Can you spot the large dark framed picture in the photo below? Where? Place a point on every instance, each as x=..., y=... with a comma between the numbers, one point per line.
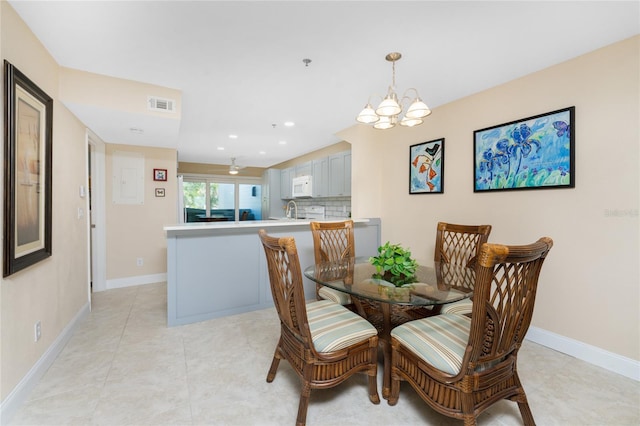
x=532, y=153
x=27, y=172
x=426, y=168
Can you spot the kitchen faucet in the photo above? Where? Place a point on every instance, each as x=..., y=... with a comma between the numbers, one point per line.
x=288, y=211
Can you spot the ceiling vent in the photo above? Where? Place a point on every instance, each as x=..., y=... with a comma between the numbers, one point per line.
x=161, y=104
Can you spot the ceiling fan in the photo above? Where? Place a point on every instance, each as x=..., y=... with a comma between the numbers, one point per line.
x=234, y=168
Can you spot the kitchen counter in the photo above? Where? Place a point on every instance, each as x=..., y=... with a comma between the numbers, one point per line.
x=217, y=269
x=250, y=224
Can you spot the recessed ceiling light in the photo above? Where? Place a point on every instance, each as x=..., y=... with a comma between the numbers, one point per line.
x=233, y=136
x=289, y=123
x=221, y=148
x=262, y=152
x=282, y=142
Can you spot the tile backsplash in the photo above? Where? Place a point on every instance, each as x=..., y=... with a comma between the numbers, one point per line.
x=335, y=208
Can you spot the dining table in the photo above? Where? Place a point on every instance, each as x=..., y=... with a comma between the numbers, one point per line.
x=382, y=303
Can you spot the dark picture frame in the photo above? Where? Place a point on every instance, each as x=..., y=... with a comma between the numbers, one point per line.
x=159, y=192
x=28, y=133
x=426, y=167
x=536, y=152
x=160, y=175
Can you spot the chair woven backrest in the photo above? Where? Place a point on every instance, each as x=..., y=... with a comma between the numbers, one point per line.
x=457, y=248
x=333, y=240
x=504, y=296
x=287, y=289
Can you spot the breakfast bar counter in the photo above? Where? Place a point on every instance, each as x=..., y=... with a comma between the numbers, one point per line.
x=216, y=269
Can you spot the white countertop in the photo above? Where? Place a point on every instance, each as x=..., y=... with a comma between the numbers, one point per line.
x=250, y=224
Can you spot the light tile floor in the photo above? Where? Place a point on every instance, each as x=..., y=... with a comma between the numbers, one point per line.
x=123, y=366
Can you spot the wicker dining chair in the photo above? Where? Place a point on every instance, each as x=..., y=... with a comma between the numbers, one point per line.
x=461, y=365
x=324, y=343
x=457, y=247
x=333, y=241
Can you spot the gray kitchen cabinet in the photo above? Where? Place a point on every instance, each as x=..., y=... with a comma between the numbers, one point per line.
x=347, y=173
x=321, y=177
x=340, y=174
x=304, y=169
x=286, y=175
x=331, y=176
x=271, y=199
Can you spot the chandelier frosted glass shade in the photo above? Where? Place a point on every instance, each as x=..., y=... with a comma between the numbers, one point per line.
x=385, y=123
x=388, y=112
x=367, y=115
x=410, y=122
x=418, y=109
x=389, y=105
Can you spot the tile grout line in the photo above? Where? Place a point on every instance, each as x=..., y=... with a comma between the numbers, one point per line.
x=115, y=352
x=186, y=372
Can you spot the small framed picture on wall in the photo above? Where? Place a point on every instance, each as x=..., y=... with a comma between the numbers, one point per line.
x=159, y=192
x=160, y=174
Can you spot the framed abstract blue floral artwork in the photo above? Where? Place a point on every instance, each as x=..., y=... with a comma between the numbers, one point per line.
x=533, y=153
x=426, y=171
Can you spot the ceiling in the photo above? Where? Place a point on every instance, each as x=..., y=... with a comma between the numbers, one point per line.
x=239, y=64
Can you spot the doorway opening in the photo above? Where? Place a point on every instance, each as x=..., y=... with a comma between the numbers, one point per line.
x=96, y=208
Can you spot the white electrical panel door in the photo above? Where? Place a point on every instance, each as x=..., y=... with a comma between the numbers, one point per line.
x=128, y=177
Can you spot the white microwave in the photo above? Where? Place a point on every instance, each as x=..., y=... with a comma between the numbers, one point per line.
x=301, y=187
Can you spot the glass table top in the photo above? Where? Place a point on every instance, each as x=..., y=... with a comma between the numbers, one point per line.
x=355, y=276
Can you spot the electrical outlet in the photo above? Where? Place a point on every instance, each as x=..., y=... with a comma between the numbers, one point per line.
x=37, y=328
x=139, y=261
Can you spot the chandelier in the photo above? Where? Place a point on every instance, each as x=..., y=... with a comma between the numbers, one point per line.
x=387, y=115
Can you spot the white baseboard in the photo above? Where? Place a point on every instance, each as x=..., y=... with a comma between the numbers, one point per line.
x=593, y=355
x=137, y=280
x=21, y=392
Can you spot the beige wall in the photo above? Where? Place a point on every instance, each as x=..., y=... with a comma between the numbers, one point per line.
x=589, y=286
x=54, y=290
x=136, y=231
x=332, y=149
x=86, y=88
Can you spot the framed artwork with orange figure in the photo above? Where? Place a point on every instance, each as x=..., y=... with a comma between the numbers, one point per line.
x=426, y=168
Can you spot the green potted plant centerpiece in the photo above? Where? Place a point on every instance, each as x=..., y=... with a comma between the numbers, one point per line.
x=394, y=264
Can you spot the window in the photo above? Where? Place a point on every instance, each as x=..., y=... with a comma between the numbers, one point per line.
x=212, y=199
x=249, y=197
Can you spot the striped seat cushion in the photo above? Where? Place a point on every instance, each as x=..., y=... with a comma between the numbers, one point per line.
x=340, y=297
x=461, y=307
x=440, y=340
x=334, y=327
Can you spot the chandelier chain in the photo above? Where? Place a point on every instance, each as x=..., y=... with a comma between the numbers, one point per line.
x=393, y=74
